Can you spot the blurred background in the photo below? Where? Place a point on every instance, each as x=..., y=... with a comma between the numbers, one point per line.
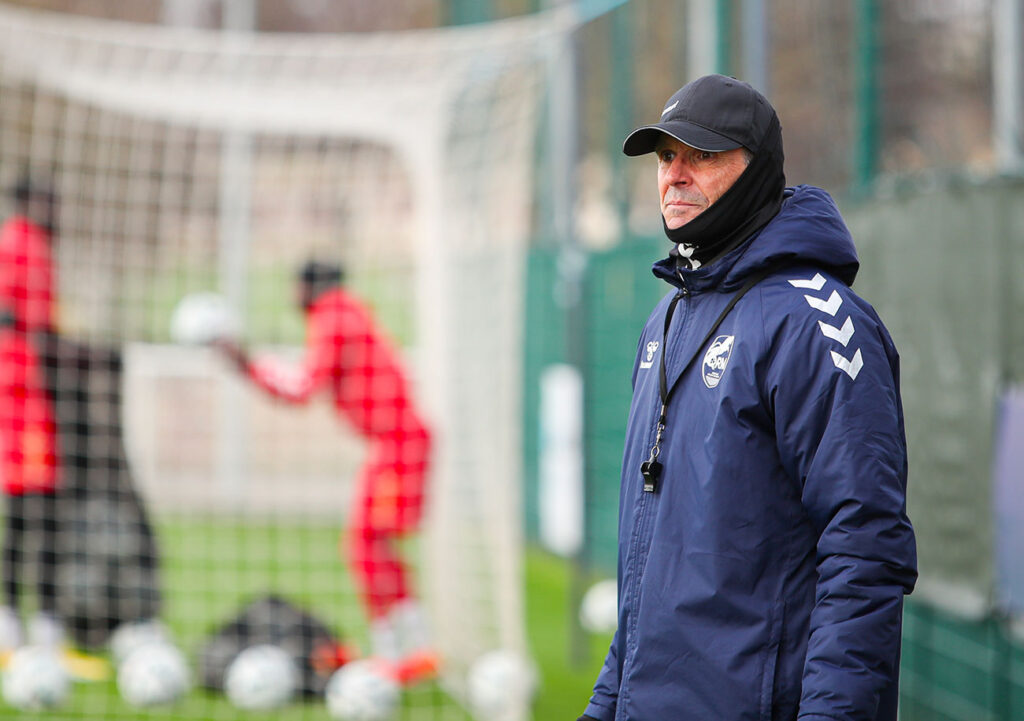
x=461, y=159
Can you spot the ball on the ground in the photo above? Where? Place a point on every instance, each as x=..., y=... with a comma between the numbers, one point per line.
x=133, y=634
x=153, y=674
x=261, y=678
x=501, y=683
x=362, y=691
x=201, y=318
x=599, y=610
x=35, y=679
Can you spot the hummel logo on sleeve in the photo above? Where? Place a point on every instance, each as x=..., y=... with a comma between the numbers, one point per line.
x=815, y=283
x=850, y=367
x=843, y=334
x=829, y=306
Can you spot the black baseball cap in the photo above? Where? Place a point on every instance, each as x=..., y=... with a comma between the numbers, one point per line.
x=713, y=113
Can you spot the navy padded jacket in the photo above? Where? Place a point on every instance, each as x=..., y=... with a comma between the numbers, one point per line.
x=764, y=580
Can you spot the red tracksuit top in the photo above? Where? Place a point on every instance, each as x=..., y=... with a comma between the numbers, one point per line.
x=26, y=274
x=346, y=351
x=28, y=457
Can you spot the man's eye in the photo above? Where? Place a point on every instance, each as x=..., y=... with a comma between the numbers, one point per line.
x=666, y=156
x=706, y=155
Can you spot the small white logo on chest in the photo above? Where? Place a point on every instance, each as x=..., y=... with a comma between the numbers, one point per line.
x=716, y=359
x=652, y=348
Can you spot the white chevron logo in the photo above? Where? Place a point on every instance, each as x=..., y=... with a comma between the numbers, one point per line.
x=850, y=367
x=829, y=306
x=842, y=335
x=815, y=283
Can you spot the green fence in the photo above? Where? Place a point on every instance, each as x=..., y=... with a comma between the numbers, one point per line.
x=619, y=292
x=956, y=670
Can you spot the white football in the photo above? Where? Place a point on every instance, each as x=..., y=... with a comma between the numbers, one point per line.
x=362, y=691
x=201, y=318
x=261, y=678
x=501, y=684
x=599, y=610
x=153, y=674
x=131, y=635
x=35, y=679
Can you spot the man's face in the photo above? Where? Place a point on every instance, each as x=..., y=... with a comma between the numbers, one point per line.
x=690, y=180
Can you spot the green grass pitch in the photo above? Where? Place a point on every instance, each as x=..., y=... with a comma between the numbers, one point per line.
x=211, y=567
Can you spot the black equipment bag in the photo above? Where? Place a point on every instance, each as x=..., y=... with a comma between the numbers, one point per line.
x=273, y=620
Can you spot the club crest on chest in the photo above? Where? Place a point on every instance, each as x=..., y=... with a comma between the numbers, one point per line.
x=716, y=359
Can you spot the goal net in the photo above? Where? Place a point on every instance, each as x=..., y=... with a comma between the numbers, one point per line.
x=183, y=161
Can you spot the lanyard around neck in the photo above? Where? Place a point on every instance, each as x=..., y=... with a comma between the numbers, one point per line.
x=651, y=468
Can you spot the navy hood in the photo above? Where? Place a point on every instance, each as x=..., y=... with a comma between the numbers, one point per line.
x=808, y=230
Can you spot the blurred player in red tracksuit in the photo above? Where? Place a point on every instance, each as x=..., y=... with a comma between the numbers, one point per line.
x=28, y=453
x=349, y=356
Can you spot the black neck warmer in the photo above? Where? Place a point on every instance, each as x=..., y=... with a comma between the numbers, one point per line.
x=744, y=208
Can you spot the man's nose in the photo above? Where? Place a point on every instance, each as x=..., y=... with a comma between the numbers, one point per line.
x=679, y=172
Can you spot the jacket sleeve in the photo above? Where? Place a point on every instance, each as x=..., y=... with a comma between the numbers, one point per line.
x=606, y=689
x=295, y=384
x=839, y=423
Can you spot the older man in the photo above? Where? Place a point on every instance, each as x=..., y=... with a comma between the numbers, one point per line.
x=764, y=546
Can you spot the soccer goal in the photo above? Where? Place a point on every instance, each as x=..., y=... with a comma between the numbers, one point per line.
x=179, y=162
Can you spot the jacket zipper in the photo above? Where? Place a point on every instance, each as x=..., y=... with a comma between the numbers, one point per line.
x=641, y=549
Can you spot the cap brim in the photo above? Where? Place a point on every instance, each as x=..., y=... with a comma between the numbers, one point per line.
x=645, y=139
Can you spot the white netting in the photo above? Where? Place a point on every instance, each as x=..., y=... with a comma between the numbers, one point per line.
x=187, y=161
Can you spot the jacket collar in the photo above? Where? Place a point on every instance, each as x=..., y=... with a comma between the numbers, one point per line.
x=808, y=230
